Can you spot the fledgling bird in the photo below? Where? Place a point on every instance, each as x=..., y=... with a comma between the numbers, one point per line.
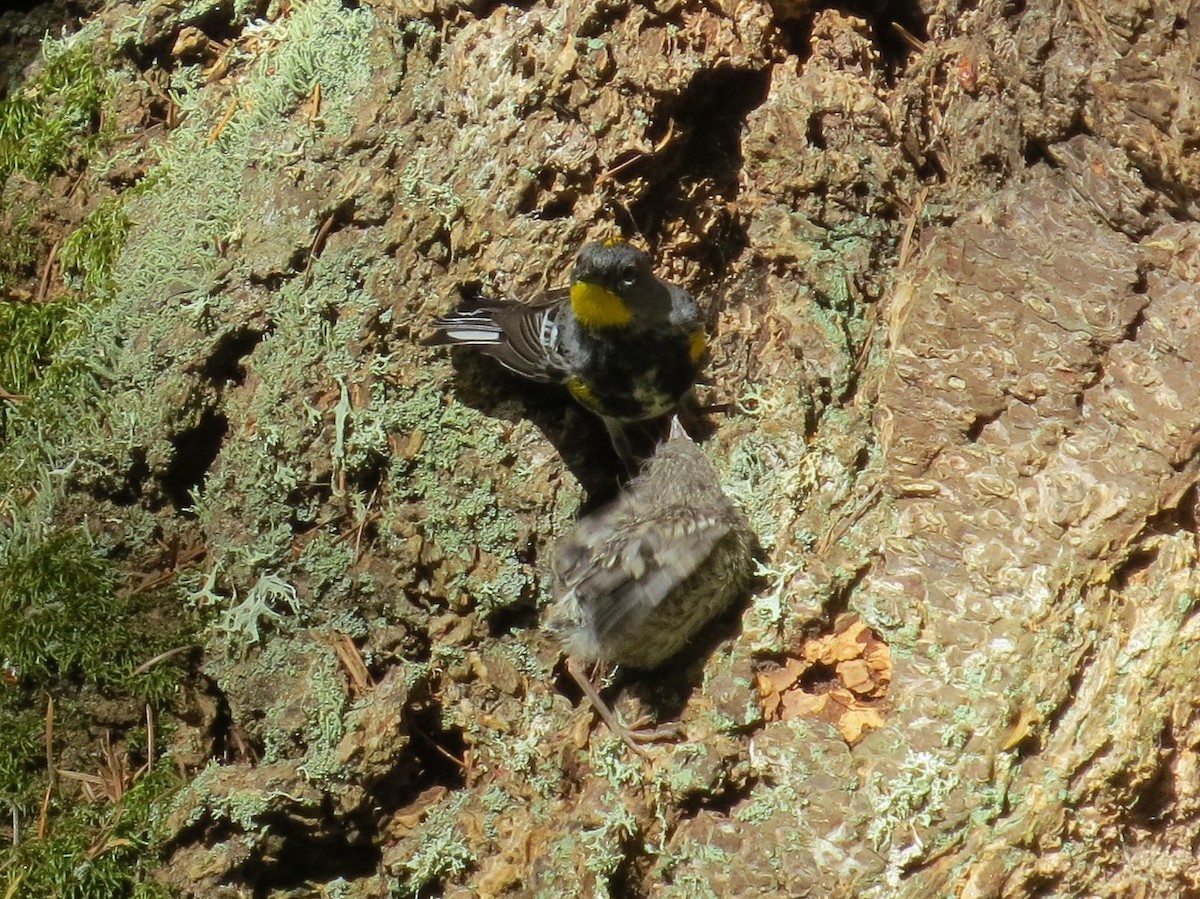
x=626, y=344
x=636, y=581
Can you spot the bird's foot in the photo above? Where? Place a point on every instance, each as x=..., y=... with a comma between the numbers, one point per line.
x=644, y=731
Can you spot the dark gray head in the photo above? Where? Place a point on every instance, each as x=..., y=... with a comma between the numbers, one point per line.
x=626, y=271
x=613, y=265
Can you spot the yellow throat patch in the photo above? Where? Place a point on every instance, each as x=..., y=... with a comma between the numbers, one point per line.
x=597, y=307
x=697, y=347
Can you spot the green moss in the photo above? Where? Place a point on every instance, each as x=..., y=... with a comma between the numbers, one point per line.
x=63, y=623
x=50, y=125
x=22, y=242
x=46, y=433
x=30, y=333
x=55, y=116
x=89, y=252
x=92, y=851
x=22, y=751
x=63, y=618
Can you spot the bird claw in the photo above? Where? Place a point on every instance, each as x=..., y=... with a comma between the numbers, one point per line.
x=636, y=737
x=633, y=737
x=645, y=731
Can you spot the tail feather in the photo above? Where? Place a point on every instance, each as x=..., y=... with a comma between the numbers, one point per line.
x=472, y=336
x=470, y=327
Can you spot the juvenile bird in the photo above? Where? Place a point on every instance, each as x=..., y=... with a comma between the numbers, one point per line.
x=626, y=344
x=635, y=582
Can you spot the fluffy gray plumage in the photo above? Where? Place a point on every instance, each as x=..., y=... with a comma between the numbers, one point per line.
x=636, y=581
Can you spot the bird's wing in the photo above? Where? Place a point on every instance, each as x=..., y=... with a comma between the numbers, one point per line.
x=622, y=570
x=532, y=337
x=523, y=337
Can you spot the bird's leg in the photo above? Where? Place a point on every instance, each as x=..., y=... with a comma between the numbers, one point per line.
x=632, y=737
x=636, y=441
x=622, y=446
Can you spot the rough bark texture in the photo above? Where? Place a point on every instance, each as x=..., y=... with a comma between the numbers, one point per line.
x=952, y=286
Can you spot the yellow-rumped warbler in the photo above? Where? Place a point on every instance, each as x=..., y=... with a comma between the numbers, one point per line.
x=634, y=582
x=627, y=345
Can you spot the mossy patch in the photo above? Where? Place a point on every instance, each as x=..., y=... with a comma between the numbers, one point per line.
x=30, y=334
x=63, y=618
x=442, y=851
x=49, y=126
x=22, y=242
x=88, y=252
x=93, y=851
x=70, y=635
x=54, y=118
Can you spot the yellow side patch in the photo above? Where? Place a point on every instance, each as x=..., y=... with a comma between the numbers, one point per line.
x=697, y=347
x=582, y=393
x=596, y=307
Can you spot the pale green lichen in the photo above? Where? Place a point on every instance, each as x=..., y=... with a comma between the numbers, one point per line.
x=463, y=516
x=910, y=798
x=264, y=602
x=208, y=798
x=419, y=189
x=199, y=200
x=524, y=752
x=328, y=560
x=612, y=760
x=99, y=407
x=682, y=867
x=769, y=605
x=607, y=846
x=325, y=708
x=767, y=801
x=114, y=390
x=771, y=475
x=441, y=851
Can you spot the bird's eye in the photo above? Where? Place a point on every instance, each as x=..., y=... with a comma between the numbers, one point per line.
x=628, y=276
